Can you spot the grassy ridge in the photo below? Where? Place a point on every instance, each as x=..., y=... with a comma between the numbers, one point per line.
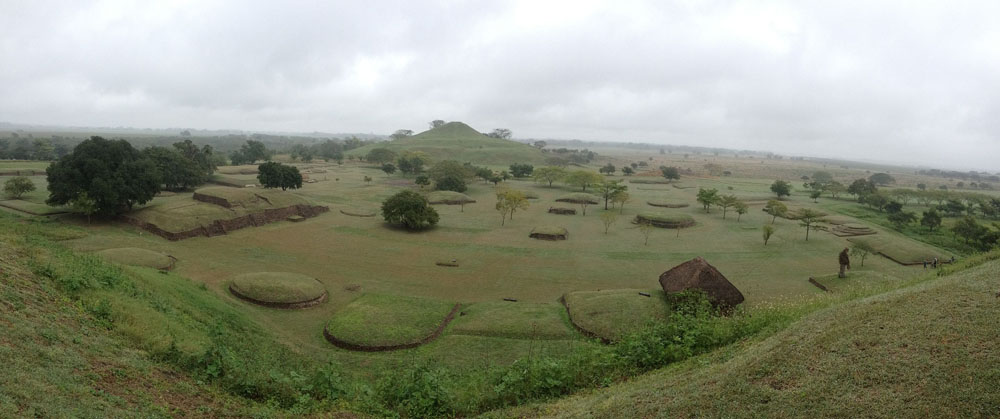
x=457, y=141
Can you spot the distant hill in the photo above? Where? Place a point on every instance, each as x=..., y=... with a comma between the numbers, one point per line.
x=458, y=141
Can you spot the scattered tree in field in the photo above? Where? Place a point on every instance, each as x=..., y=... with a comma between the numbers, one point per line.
x=727, y=201
x=807, y=217
x=549, y=174
x=176, y=172
x=931, y=219
x=645, y=228
x=776, y=209
x=628, y=171
x=893, y=207
x=741, y=208
x=968, y=229
x=111, y=172
x=250, y=153
x=822, y=178
x=450, y=175
x=539, y=144
x=17, y=186
x=508, y=202
x=902, y=218
x=670, y=173
x=521, y=169
x=608, y=189
x=922, y=186
x=620, y=198
x=422, y=180
x=582, y=178
x=862, y=250
x=277, y=175
x=781, y=188
x=436, y=123
x=450, y=183
x=501, y=133
x=861, y=188
x=401, y=133
x=608, y=169
x=881, y=179
x=708, y=197
x=368, y=179
x=83, y=204
x=835, y=189
x=608, y=218
x=412, y=162
x=389, y=168
x=410, y=210
x=380, y=156
x=814, y=194
x=713, y=169
x=768, y=231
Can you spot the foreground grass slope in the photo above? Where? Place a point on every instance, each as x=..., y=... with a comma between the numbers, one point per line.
x=925, y=351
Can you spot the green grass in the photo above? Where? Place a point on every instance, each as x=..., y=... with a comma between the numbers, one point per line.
x=32, y=208
x=457, y=141
x=134, y=256
x=382, y=320
x=612, y=314
x=448, y=197
x=905, y=251
x=924, y=351
x=278, y=287
x=515, y=320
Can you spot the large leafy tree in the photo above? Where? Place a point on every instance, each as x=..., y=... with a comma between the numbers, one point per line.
x=670, y=173
x=277, y=175
x=410, y=210
x=582, y=178
x=381, y=155
x=202, y=156
x=111, y=172
x=521, y=169
x=250, y=153
x=708, y=197
x=177, y=172
x=781, y=188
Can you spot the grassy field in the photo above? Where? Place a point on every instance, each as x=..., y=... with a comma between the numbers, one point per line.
x=924, y=351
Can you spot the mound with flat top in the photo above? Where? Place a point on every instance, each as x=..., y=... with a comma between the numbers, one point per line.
x=278, y=289
x=512, y=320
x=667, y=204
x=611, y=314
x=578, y=198
x=387, y=322
x=449, y=198
x=548, y=233
x=218, y=210
x=460, y=142
x=665, y=220
x=134, y=256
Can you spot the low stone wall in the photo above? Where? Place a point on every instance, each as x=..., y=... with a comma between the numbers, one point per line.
x=220, y=227
x=222, y=202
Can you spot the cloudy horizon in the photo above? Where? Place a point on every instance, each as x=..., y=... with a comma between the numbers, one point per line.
x=907, y=82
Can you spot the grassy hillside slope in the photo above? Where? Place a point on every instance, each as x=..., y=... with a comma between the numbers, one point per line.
x=457, y=141
x=925, y=351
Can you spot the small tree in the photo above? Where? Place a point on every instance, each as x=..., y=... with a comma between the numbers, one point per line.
x=608, y=169
x=781, y=188
x=708, y=197
x=815, y=193
x=862, y=250
x=741, y=208
x=84, y=204
x=768, y=231
x=276, y=175
x=776, y=209
x=410, y=210
x=608, y=218
x=645, y=228
x=549, y=174
x=508, y=202
x=628, y=171
x=621, y=198
x=17, y=186
x=608, y=189
x=901, y=218
x=582, y=179
x=368, y=179
x=422, y=180
x=807, y=217
x=931, y=219
x=726, y=202
x=389, y=168
x=670, y=173
x=380, y=156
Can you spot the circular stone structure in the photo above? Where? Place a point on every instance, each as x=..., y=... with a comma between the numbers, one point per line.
x=665, y=220
x=278, y=289
x=666, y=204
x=134, y=256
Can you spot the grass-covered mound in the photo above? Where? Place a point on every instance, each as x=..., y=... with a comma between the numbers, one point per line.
x=850, y=230
x=665, y=220
x=134, y=256
x=376, y=322
x=278, y=289
x=247, y=198
x=612, y=314
x=516, y=320
x=355, y=212
x=449, y=198
x=902, y=250
x=548, y=233
x=32, y=208
x=649, y=181
x=667, y=204
x=578, y=198
x=460, y=142
x=246, y=169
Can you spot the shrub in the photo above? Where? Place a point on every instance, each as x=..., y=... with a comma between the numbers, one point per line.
x=418, y=392
x=451, y=183
x=15, y=187
x=410, y=210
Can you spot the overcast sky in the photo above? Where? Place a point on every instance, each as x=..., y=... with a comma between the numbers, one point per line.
x=906, y=81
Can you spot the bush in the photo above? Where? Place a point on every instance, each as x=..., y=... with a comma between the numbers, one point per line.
x=419, y=392
x=15, y=187
x=410, y=210
x=451, y=183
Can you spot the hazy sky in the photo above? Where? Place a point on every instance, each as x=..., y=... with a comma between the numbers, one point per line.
x=909, y=81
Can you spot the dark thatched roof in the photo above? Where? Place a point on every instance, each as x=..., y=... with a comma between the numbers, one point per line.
x=698, y=274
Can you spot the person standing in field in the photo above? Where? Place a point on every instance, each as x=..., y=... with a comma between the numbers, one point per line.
x=845, y=264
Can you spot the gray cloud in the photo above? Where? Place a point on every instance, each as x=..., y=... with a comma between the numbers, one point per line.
x=908, y=81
